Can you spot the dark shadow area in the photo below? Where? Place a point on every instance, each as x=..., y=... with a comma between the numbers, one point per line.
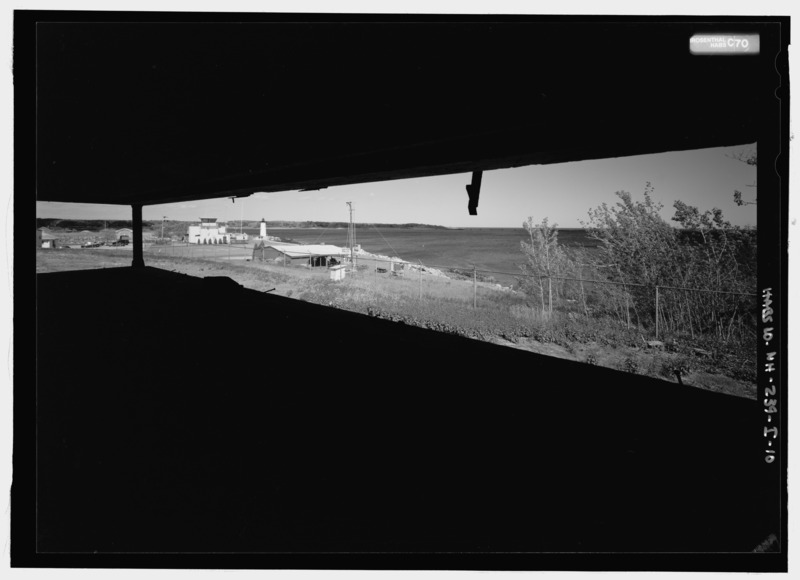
x=165, y=413
x=216, y=106
x=177, y=414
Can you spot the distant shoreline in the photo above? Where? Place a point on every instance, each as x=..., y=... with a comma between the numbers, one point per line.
x=95, y=225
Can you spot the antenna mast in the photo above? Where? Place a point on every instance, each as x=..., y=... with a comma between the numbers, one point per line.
x=351, y=236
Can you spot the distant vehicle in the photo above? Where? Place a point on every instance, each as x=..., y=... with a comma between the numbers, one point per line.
x=120, y=243
x=92, y=245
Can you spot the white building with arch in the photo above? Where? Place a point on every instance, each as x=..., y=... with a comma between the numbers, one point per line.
x=208, y=232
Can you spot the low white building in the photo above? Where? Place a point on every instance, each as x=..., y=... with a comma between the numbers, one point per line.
x=208, y=232
x=309, y=254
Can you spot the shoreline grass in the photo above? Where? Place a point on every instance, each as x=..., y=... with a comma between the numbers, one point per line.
x=445, y=304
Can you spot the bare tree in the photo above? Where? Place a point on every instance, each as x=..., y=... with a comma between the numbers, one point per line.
x=750, y=158
x=545, y=258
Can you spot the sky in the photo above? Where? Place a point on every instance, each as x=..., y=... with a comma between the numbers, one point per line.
x=562, y=192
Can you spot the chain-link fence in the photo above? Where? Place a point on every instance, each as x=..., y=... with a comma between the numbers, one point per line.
x=658, y=309
x=653, y=310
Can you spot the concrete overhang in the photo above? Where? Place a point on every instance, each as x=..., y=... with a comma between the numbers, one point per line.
x=175, y=107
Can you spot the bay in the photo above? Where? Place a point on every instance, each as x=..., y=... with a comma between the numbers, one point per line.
x=494, y=250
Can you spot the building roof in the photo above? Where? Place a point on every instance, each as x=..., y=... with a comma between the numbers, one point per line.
x=124, y=230
x=48, y=236
x=302, y=251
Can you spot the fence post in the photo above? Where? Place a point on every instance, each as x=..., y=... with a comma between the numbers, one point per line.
x=656, y=312
x=627, y=308
x=583, y=293
x=474, y=286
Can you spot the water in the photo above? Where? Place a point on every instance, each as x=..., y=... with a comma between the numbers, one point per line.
x=493, y=249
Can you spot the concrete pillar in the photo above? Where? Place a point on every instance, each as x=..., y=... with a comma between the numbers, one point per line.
x=138, y=255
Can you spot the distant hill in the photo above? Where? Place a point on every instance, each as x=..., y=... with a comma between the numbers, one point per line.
x=97, y=225
x=90, y=225
x=320, y=224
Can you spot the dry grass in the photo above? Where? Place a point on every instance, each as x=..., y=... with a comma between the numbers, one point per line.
x=445, y=305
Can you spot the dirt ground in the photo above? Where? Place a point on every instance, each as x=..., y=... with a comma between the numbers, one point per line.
x=645, y=361
x=251, y=275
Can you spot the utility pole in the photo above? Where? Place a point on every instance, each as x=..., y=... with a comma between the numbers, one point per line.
x=241, y=217
x=351, y=236
x=162, y=226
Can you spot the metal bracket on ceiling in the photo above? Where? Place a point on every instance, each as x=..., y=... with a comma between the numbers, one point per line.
x=233, y=198
x=474, y=192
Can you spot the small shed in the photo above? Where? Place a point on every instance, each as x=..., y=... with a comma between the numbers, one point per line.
x=337, y=272
x=46, y=239
x=314, y=255
x=397, y=268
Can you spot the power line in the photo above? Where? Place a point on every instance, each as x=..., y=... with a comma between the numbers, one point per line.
x=385, y=240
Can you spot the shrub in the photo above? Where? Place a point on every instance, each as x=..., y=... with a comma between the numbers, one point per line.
x=639, y=248
x=630, y=365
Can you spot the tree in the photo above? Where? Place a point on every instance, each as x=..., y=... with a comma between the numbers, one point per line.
x=750, y=158
x=690, y=217
x=723, y=256
x=636, y=244
x=637, y=248
x=545, y=258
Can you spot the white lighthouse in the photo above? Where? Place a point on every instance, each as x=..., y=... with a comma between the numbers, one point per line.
x=263, y=233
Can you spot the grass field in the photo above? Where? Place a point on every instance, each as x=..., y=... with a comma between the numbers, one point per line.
x=479, y=310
